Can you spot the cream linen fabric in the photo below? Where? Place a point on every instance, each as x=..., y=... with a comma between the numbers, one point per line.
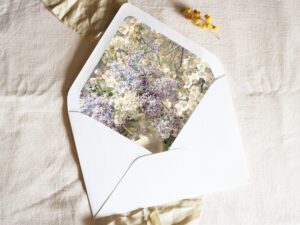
x=40, y=179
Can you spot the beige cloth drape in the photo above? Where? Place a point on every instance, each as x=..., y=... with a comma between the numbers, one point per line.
x=88, y=18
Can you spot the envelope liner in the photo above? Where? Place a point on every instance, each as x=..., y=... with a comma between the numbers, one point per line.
x=145, y=86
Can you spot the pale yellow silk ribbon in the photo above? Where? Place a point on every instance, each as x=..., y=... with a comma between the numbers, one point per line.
x=184, y=212
x=89, y=18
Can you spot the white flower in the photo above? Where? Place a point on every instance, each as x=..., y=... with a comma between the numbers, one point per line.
x=128, y=103
x=110, y=81
x=125, y=106
x=97, y=72
x=195, y=93
x=124, y=30
x=128, y=30
x=201, y=67
x=93, y=81
x=165, y=68
x=120, y=117
x=195, y=76
x=116, y=42
x=181, y=107
x=187, y=80
x=194, y=98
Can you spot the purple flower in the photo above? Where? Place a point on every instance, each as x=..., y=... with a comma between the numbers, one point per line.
x=151, y=105
x=98, y=108
x=168, y=125
x=128, y=78
x=103, y=113
x=134, y=63
x=165, y=88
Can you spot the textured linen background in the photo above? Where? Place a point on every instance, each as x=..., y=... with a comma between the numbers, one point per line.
x=40, y=179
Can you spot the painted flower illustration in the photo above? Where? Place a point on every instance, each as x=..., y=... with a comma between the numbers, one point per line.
x=145, y=86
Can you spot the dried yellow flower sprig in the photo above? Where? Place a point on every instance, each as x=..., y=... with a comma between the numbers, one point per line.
x=203, y=22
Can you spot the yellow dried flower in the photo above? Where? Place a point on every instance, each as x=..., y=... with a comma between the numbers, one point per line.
x=196, y=21
x=196, y=13
x=209, y=26
x=203, y=22
x=215, y=28
x=204, y=26
x=188, y=12
x=207, y=17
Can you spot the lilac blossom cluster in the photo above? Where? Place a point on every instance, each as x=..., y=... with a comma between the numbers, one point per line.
x=145, y=86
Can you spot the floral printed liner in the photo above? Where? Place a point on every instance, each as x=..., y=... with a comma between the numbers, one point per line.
x=145, y=86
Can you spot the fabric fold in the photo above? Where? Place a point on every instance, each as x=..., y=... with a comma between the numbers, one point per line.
x=184, y=212
x=88, y=18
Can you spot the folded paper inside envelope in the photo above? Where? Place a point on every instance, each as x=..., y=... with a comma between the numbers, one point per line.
x=147, y=89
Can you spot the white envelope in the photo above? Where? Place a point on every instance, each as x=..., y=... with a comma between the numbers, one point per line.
x=121, y=175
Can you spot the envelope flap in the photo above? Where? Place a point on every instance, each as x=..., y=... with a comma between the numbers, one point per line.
x=208, y=158
x=213, y=121
x=103, y=160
